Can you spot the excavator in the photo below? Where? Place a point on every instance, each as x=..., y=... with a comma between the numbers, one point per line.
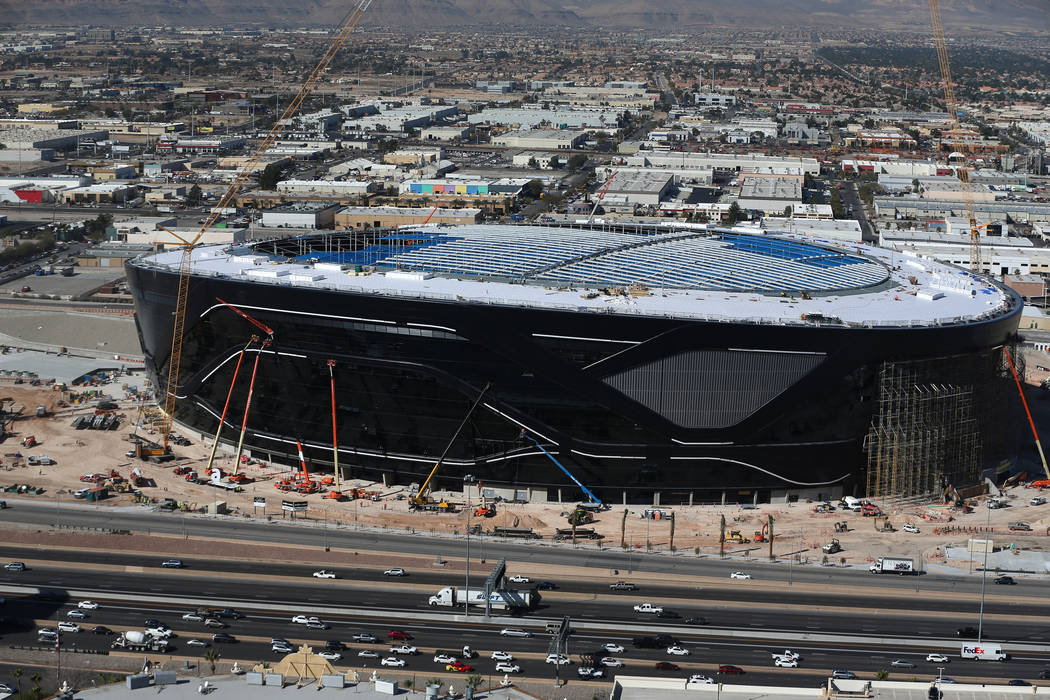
x=421, y=500
x=760, y=535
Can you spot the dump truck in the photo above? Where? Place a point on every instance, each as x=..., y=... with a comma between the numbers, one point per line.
x=451, y=596
x=892, y=565
x=134, y=640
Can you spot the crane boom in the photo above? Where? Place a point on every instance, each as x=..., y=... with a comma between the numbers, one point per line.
x=953, y=133
x=348, y=25
x=423, y=497
x=594, y=499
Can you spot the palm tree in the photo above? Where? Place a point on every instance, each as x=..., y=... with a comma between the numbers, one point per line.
x=18, y=673
x=882, y=674
x=474, y=680
x=211, y=656
x=36, y=678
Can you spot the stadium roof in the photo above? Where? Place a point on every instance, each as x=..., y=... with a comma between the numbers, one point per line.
x=739, y=275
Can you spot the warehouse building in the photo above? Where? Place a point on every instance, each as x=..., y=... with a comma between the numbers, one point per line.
x=28, y=138
x=302, y=215
x=723, y=161
x=841, y=230
x=101, y=193
x=327, y=187
x=1021, y=211
x=392, y=217
x=536, y=159
x=543, y=139
x=213, y=146
x=640, y=187
x=444, y=133
x=770, y=194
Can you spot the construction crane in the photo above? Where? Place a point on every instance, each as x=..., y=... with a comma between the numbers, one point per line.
x=954, y=137
x=347, y=26
x=601, y=196
x=421, y=500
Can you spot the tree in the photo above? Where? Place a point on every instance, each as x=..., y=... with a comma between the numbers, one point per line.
x=211, y=656
x=533, y=189
x=194, y=196
x=882, y=674
x=533, y=163
x=576, y=162
x=36, y=678
x=473, y=680
x=97, y=227
x=788, y=211
x=271, y=175
x=555, y=162
x=18, y=673
x=735, y=214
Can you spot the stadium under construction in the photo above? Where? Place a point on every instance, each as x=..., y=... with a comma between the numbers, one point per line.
x=655, y=364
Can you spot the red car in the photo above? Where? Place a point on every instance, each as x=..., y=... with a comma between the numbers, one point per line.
x=399, y=635
x=666, y=666
x=91, y=478
x=459, y=666
x=726, y=668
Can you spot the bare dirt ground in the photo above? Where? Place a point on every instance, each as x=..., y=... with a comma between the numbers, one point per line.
x=799, y=531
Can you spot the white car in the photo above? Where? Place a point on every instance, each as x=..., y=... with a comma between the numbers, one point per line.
x=911, y=528
x=193, y=617
x=701, y=679
x=610, y=662
x=77, y=614
x=196, y=643
x=739, y=574
x=612, y=648
x=87, y=605
x=324, y=573
x=504, y=667
x=303, y=619
x=785, y=662
x=404, y=649
x=445, y=659
x=65, y=626
x=937, y=658
x=514, y=632
x=392, y=661
x=589, y=672
x=282, y=648
x=1037, y=501
x=502, y=656
x=330, y=655
x=395, y=572
x=677, y=651
x=558, y=659
x=518, y=578
x=370, y=653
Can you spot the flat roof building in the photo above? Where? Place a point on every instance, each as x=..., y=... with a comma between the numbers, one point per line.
x=392, y=217
x=640, y=187
x=545, y=139
x=304, y=215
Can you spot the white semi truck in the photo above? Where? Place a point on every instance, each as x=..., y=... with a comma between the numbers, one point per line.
x=451, y=596
x=892, y=565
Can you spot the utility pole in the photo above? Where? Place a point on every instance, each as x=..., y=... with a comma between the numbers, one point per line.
x=468, y=480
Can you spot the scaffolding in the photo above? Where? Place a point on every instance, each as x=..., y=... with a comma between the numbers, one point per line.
x=936, y=422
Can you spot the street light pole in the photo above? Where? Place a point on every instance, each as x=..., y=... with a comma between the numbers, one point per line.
x=984, y=576
x=468, y=480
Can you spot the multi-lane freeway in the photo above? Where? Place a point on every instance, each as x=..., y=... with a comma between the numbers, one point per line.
x=836, y=620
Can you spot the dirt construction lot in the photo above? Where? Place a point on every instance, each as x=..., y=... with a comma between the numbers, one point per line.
x=799, y=532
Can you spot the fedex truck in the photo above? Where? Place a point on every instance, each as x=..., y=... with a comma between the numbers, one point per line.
x=983, y=652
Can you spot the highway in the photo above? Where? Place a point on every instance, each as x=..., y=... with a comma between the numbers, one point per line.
x=859, y=627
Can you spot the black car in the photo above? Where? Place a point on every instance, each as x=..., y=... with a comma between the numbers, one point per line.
x=101, y=629
x=334, y=645
x=660, y=641
x=668, y=613
x=1018, y=681
x=1005, y=580
x=546, y=586
x=227, y=613
x=1045, y=674
x=696, y=621
x=150, y=622
x=966, y=632
x=222, y=637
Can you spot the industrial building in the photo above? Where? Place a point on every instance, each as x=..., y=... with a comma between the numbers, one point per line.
x=303, y=215
x=101, y=193
x=830, y=229
x=770, y=194
x=657, y=364
x=724, y=161
x=212, y=146
x=1020, y=211
x=392, y=217
x=543, y=139
x=444, y=133
x=28, y=138
x=646, y=188
x=535, y=117
x=327, y=187
x=537, y=159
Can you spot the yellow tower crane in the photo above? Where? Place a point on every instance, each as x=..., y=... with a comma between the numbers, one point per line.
x=954, y=135
x=174, y=360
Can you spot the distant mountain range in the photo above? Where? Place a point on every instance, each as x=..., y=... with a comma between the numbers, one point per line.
x=662, y=15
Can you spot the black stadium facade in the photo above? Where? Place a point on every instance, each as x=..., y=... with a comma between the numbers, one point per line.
x=665, y=366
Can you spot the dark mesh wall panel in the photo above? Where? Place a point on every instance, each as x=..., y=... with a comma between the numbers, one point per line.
x=712, y=388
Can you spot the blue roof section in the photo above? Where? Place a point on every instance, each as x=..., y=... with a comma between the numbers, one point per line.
x=698, y=260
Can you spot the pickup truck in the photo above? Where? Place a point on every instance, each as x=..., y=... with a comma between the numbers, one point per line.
x=623, y=586
x=648, y=608
x=324, y=573
x=1023, y=527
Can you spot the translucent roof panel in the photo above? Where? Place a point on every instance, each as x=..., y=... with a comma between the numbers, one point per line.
x=700, y=260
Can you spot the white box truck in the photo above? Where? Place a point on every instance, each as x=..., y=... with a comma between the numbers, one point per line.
x=892, y=565
x=983, y=652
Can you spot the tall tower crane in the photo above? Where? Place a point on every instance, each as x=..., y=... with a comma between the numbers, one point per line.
x=347, y=26
x=954, y=138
